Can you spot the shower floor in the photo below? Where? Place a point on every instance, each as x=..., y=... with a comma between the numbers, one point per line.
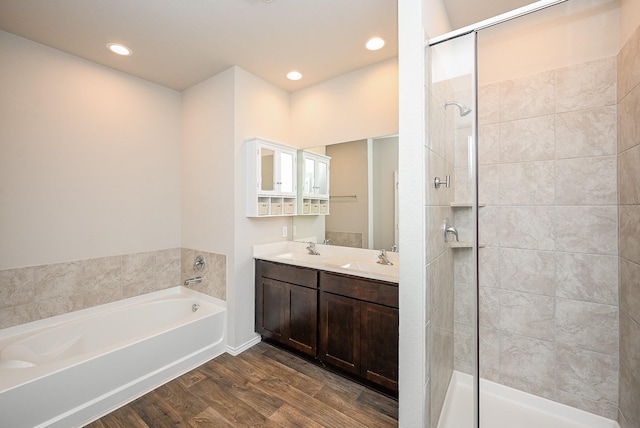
x=504, y=407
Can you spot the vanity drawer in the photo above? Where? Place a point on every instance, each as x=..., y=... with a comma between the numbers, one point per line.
x=369, y=290
x=287, y=273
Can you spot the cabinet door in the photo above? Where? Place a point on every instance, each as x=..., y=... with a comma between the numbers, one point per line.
x=286, y=173
x=302, y=319
x=379, y=340
x=340, y=332
x=266, y=166
x=271, y=307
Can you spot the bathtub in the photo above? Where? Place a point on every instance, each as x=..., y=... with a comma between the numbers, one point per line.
x=71, y=369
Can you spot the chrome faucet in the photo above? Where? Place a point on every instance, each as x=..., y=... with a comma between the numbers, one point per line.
x=449, y=229
x=312, y=249
x=382, y=258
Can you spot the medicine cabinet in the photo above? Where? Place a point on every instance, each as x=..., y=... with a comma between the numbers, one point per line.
x=313, y=189
x=271, y=178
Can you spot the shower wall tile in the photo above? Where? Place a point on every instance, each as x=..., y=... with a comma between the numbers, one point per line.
x=527, y=183
x=527, y=228
x=541, y=390
x=527, y=359
x=587, y=85
x=630, y=232
x=461, y=147
x=489, y=267
x=629, y=176
x=593, y=278
x=598, y=408
x=489, y=104
x=489, y=301
x=630, y=288
x=528, y=139
x=464, y=303
x=589, y=375
x=589, y=326
x=586, y=181
x=586, y=230
x=527, y=97
x=528, y=315
x=102, y=273
x=490, y=353
x=628, y=124
x=629, y=65
x=489, y=144
x=167, y=268
x=629, y=393
x=57, y=306
x=15, y=315
x=586, y=133
x=16, y=287
x=138, y=267
x=528, y=271
x=630, y=344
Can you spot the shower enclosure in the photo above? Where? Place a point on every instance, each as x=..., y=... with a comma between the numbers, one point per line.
x=522, y=159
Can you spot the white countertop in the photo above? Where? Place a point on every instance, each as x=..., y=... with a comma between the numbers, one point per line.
x=349, y=261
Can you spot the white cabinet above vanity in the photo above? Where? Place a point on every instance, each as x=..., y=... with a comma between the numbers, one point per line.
x=313, y=190
x=271, y=170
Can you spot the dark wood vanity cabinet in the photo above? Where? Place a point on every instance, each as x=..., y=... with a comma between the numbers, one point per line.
x=348, y=323
x=286, y=305
x=359, y=328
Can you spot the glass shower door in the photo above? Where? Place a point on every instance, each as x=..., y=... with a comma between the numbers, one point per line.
x=452, y=252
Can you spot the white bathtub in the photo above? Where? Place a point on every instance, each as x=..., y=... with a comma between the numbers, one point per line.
x=69, y=370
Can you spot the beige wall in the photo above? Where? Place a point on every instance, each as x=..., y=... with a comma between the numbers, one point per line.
x=354, y=106
x=89, y=159
x=573, y=29
x=629, y=19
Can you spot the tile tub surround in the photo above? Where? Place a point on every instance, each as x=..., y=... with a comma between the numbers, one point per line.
x=629, y=233
x=36, y=292
x=549, y=274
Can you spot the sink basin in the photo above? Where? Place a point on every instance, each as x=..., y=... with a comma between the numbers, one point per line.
x=310, y=258
x=371, y=267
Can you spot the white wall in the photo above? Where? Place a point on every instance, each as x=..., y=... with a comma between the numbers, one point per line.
x=354, y=106
x=559, y=36
x=89, y=159
x=260, y=109
x=208, y=164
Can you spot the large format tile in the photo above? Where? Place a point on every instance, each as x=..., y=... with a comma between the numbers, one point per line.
x=528, y=315
x=586, y=229
x=586, y=85
x=629, y=393
x=527, y=270
x=489, y=144
x=59, y=279
x=590, y=326
x=589, y=277
x=630, y=232
x=629, y=176
x=628, y=123
x=629, y=65
x=528, y=139
x=586, y=181
x=527, y=183
x=527, y=227
x=529, y=359
x=527, y=96
x=585, y=133
x=587, y=374
x=489, y=104
x=630, y=344
x=16, y=287
x=630, y=288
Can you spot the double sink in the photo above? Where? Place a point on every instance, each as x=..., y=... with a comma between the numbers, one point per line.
x=352, y=261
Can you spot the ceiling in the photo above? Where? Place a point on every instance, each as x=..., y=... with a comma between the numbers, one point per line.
x=178, y=43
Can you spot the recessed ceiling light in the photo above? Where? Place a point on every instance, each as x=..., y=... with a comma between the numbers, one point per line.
x=119, y=49
x=375, y=43
x=294, y=75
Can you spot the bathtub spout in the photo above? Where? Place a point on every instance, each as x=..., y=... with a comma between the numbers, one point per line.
x=196, y=280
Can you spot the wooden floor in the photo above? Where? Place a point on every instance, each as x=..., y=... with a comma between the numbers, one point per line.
x=262, y=387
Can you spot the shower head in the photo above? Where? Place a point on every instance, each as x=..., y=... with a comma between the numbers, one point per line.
x=464, y=110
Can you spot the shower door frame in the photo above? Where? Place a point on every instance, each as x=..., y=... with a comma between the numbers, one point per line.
x=474, y=29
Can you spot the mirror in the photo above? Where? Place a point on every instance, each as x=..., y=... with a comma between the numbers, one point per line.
x=363, y=187
x=266, y=169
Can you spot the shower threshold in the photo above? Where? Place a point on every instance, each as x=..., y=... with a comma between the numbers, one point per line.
x=505, y=407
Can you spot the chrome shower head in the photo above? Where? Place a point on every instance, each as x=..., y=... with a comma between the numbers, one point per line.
x=464, y=110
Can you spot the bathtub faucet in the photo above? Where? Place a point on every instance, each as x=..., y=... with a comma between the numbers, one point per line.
x=196, y=280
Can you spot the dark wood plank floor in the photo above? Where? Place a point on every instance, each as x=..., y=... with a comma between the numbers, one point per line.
x=262, y=387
